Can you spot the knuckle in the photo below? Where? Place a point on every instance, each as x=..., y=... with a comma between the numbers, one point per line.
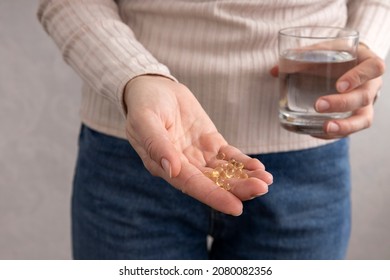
x=346, y=128
x=366, y=98
x=380, y=65
x=368, y=121
x=362, y=76
x=349, y=127
x=148, y=146
x=343, y=104
x=354, y=78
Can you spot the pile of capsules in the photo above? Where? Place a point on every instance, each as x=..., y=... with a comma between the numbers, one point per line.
x=225, y=171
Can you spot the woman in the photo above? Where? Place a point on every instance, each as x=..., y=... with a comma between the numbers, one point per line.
x=185, y=82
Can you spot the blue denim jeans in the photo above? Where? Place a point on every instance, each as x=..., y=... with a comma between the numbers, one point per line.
x=120, y=211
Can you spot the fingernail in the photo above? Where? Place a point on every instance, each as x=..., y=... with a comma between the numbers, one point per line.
x=322, y=105
x=342, y=86
x=333, y=127
x=270, y=179
x=259, y=194
x=256, y=196
x=236, y=215
x=166, y=166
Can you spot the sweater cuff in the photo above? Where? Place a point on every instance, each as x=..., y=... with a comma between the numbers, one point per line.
x=130, y=75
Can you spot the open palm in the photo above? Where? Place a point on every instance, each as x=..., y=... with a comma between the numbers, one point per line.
x=177, y=141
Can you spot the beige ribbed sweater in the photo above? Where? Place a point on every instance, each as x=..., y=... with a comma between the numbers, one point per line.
x=222, y=50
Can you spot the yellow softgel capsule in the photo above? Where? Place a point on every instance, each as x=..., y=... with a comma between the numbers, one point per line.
x=219, y=169
x=226, y=186
x=220, y=181
x=214, y=173
x=222, y=174
x=220, y=156
x=229, y=172
x=226, y=170
x=237, y=173
x=230, y=165
x=238, y=165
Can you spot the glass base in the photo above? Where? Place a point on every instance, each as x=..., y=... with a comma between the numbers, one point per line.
x=312, y=124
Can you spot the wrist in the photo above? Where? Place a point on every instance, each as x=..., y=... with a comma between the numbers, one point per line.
x=146, y=78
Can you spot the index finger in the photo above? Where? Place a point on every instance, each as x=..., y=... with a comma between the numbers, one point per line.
x=370, y=67
x=194, y=183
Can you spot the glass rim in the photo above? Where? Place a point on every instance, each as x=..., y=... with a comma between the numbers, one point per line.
x=350, y=33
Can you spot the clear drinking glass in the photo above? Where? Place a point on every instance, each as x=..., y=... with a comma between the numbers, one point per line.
x=311, y=59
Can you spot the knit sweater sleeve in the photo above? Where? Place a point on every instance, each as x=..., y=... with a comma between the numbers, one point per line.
x=98, y=45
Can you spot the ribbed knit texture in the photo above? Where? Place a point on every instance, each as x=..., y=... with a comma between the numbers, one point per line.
x=221, y=50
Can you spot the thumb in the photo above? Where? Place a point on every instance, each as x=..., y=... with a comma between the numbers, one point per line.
x=155, y=146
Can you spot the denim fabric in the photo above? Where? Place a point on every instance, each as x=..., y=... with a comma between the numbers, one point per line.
x=120, y=211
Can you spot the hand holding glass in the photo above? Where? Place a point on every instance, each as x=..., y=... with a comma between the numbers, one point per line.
x=311, y=59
